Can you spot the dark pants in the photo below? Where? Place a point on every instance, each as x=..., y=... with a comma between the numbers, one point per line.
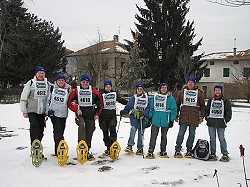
x=37, y=125
x=108, y=127
x=86, y=128
x=153, y=137
x=58, y=130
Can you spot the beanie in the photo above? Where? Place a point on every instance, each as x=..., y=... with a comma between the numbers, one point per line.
x=191, y=78
x=60, y=76
x=163, y=84
x=85, y=77
x=107, y=82
x=40, y=68
x=139, y=85
x=218, y=86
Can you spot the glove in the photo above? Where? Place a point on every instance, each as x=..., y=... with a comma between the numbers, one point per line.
x=171, y=124
x=122, y=113
x=138, y=114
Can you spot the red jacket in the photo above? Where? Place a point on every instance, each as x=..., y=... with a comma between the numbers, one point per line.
x=88, y=111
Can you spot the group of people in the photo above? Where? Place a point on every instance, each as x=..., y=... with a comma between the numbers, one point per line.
x=40, y=99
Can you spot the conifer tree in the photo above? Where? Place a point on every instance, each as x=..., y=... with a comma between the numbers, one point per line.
x=164, y=37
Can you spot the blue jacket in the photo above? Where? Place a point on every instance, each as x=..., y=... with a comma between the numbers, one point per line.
x=161, y=118
x=130, y=106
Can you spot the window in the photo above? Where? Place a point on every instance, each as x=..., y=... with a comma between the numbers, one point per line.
x=246, y=72
x=207, y=72
x=211, y=62
x=225, y=72
x=236, y=62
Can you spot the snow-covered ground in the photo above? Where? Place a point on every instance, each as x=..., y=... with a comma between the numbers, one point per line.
x=16, y=168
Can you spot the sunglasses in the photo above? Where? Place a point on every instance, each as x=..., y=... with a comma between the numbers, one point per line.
x=139, y=88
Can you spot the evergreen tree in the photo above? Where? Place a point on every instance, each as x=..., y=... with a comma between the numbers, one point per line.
x=133, y=69
x=27, y=42
x=164, y=37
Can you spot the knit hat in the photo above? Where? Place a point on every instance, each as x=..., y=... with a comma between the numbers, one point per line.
x=60, y=76
x=163, y=84
x=40, y=68
x=218, y=86
x=85, y=77
x=139, y=85
x=191, y=78
x=107, y=82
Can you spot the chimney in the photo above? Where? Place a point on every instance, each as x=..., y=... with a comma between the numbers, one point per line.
x=234, y=49
x=116, y=38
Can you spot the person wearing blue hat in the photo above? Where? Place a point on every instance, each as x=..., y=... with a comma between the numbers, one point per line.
x=163, y=111
x=138, y=105
x=33, y=102
x=56, y=107
x=107, y=120
x=191, y=111
x=218, y=114
x=87, y=104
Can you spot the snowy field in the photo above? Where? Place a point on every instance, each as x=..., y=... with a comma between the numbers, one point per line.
x=16, y=168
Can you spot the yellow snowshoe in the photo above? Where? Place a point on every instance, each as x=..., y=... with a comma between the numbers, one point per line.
x=82, y=152
x=36, y=153
x=115, y=149
x=62, y=153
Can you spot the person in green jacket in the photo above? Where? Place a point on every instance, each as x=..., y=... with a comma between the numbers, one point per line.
x=218, y=114
x=163, y=111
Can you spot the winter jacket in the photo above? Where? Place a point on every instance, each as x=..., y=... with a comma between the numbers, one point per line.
x=162, y=118
x=130, y=107
x=87, y=111
x=28, y=102
x=190, y=114
x=60, y=110
x=106, y=113
x=219, y=122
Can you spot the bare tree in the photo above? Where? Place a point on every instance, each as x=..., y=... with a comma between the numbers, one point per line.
x=231, y=3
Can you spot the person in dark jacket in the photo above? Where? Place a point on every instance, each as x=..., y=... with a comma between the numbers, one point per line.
x=107, y=119
x=191, y=105
x=218, y=114
x=138, y=107
x=87, y=104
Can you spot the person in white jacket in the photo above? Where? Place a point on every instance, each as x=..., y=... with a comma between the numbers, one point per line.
x=56, y=107
x=33, y=102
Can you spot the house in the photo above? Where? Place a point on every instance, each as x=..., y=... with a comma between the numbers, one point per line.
x=226, y=68
x=103, y=60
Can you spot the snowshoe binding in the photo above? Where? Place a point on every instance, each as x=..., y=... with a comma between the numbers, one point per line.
x=62, y=153
x=82, y=152
x=150, y=155
x=129, y=149
x=36, y=153
x=139, y=152
x=178, y=154
x=188, y=154
x=163, y=154
x=115, y=149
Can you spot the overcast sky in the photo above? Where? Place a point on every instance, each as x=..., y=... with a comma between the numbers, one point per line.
x=79, y=21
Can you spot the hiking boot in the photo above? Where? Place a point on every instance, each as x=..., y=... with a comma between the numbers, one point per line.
x=62, y=146
x=163, y=154
x=90, y=157
x=139, y=152
x=82, y=146
x=36, y=146
x=129, y=149
x=213, y=157
x=106, y=153
x=225, y=158
x=189, y=154
x=150, y=155
x=178, y=154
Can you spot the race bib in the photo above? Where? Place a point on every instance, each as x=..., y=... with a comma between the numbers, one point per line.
x=109, y=100
x=141, y=102
x=41, y=89
x=60, y=96
x=190, y=97
x=160, y=102
x=217, y=109
x=84, y=96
